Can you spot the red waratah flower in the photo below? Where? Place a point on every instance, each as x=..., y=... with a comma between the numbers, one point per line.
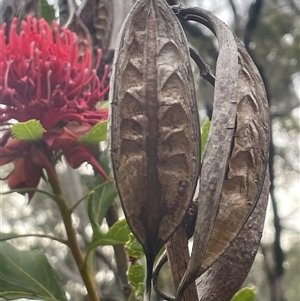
x=43, y=77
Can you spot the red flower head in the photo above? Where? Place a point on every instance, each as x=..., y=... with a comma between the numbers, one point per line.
x=43, y=77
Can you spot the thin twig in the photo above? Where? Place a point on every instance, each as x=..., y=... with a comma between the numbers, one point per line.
x=26, y=190
x=254, y=12
x=191, y=14
x=234, y=10
x=72, y=208
x=61, y=240
x=160, y=263
x=203, y=67
x=185, y=15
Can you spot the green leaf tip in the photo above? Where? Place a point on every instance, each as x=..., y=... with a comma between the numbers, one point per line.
x=244, y=294
x=96, y=134
x=28, y=131
x=204, y=134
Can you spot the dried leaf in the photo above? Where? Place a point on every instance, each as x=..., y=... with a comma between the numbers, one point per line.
x=154, y=125
x=103, y=22
x=217, y=152
x=75, y=24
x=236, y=156
x=98, y=17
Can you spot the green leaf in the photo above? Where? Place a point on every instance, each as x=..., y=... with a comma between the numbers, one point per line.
x=91, y=215
x=245, y=294
x=101, y=201
x=136, y=276
x=47, y=11
x=29, y=130
x=27, y=274
x=103, y=196
x=118, y=234
x=96, y=134
x=204, y=135
x=133, y=247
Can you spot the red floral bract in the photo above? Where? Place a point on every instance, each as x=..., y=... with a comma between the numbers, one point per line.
x=43, y=77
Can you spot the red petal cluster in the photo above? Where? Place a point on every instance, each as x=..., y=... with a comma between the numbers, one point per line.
x=43, y=77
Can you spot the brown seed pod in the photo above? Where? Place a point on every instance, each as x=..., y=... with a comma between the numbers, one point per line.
x=227, y=274
x=103, y=22
x=98, y=16
x=237, y=151
x=154, y=125
x=248, y=160
x=82, y=32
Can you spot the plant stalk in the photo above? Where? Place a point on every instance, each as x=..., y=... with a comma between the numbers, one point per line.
x=178, y=258
x=66, y=214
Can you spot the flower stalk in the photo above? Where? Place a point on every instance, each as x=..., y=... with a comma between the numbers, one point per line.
x=66, y=214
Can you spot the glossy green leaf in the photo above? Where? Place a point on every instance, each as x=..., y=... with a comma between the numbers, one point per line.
x=29, y=130
x=133, y=247
x=104, y=193
x=118, y=234
x=96, y=134
x=27, y=274
x=106, y=198
x=245, y=294
x=136, y=277
x=204, y=135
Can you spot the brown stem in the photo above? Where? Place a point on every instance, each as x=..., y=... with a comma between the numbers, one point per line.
x=178, y=257
x=66, y=213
